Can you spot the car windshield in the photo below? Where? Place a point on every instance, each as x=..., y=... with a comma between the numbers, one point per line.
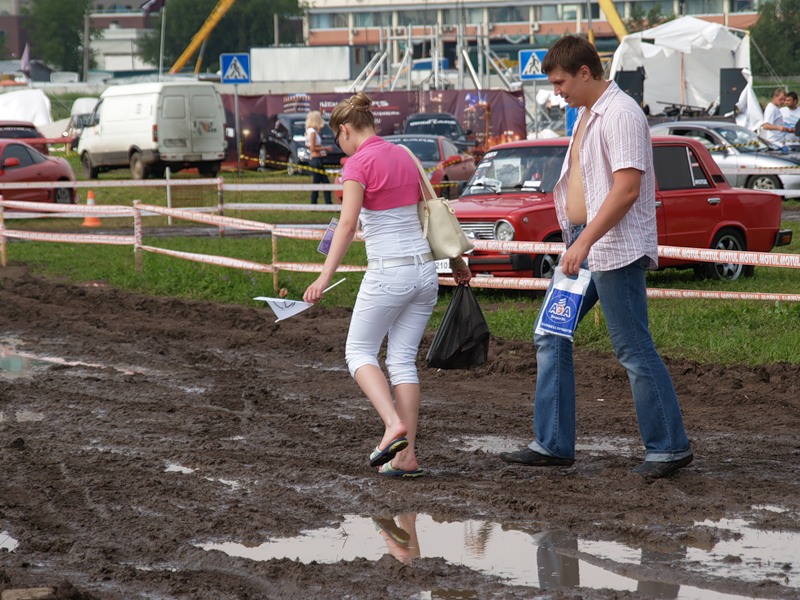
x=434, y=126
x=17, y=133
x=530, y=168
x=424, y=150
x=743, y=139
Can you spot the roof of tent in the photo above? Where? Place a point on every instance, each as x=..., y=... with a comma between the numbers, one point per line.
x=682, y=60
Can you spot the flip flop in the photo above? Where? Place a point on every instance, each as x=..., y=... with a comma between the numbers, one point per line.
x=388, y=470
x=390, y=528
x=380, y=457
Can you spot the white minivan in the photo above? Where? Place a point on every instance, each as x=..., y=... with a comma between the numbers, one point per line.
x=150, y=126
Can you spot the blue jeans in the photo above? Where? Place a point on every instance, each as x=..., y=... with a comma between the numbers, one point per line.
x=622, y=295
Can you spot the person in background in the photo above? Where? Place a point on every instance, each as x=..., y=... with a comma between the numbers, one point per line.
x=314, y=125
x=606, y=206
x=381, y=184
x=791, y=114
x=773, y=128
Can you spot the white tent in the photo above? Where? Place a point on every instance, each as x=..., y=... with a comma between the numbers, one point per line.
x=26, y=105
x=682, y=61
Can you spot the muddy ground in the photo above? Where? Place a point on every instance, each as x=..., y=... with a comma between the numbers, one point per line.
x=195, y=423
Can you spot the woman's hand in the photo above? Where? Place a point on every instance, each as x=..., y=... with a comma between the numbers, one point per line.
x=461, y=272
x=313, y=292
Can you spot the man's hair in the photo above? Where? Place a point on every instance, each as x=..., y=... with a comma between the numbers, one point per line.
x=792, y=95
x=778, y=92
x=570, y=53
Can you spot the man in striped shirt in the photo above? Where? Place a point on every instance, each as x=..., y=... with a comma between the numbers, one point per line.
x=605, y=202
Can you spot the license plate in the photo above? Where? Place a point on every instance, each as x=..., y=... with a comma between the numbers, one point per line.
x=443, y=266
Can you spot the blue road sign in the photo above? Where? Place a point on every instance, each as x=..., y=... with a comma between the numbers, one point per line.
x=530, y=65
x=235, y=68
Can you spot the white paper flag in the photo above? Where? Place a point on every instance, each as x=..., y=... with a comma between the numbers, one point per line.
x=284, y=308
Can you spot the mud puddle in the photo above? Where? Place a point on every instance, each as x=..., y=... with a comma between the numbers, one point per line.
x=548, y=559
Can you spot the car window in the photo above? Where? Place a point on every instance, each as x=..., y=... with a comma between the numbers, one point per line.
x=19, y=133
x=522, y=168
x=449, y=149
x=435, y=126
x=36, y=157
x=742, y=139
x=425, y=150
x=20, y=152
x=677, y=168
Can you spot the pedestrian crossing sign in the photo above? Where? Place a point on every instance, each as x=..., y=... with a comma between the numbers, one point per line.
x=530, y=65
x=235, y=68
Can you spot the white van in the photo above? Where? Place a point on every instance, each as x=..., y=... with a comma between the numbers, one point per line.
x=150, y=126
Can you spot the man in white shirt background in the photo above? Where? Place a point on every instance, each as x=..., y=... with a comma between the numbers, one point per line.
x=773, y=129
x=791, y=113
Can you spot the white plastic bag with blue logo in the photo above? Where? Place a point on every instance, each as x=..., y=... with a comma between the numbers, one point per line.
x=562, y=305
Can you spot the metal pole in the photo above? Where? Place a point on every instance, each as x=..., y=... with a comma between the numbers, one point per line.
x=137, y=235
x=86, y=46
x=535, y=111
x=169, y=195
x=236, y=118
x=3, y=255
x=161, y=50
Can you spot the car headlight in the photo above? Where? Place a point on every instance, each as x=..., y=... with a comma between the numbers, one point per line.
x=303, y=154
x=503, y=231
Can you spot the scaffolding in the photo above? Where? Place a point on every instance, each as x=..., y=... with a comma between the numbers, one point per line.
x=393, y=65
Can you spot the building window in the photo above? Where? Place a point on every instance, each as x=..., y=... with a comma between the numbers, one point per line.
x=467, y=16
x=702, y=7
x=416, y=17
x=563, y=12
x=744, y=6
x=328, y=21
x=509, y=14
x=372, y=19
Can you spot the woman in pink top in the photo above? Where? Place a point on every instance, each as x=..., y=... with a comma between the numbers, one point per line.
x=399, y=290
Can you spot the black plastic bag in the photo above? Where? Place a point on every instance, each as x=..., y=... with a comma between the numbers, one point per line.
x=462, y=340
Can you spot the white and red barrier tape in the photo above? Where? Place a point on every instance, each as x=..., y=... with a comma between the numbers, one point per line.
x=209, y=219
x=71, y=238
x=210, y=259
x=690, y=254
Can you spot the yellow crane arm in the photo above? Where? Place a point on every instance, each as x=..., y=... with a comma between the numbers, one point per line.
x=613, y=18
x=202, y=34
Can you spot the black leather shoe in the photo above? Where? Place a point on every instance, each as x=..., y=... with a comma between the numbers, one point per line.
x=657, y=470
x=535, y=459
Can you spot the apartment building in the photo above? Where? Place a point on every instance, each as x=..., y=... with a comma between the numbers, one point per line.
x=121, y=24
x=371, y=23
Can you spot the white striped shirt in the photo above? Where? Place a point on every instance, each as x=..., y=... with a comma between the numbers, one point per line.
x=616, y=137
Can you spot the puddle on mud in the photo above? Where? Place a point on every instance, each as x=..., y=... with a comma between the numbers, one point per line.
x=547, y=560
x=15, y=364
x=7, y=543
x=494, y=444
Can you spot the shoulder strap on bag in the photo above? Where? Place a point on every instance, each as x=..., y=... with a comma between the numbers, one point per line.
x=424, y=182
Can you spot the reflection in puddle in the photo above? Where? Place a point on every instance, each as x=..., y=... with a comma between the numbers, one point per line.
x=23, y=416
x=547, y=560
x=494, y=444
x=751, y=554
x=16, y=364
x=173, y=468
x=7, y=543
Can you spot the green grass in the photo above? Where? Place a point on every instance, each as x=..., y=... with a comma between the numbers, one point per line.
x=748, y=332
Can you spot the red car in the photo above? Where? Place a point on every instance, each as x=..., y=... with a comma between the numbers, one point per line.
x=25, y=131
x=448, y=168
x=510, y=197
x=21, y=163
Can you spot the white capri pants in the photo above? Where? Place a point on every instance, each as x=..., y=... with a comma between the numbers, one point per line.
x=397, y=301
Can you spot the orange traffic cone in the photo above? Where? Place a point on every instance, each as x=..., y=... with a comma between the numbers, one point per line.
x=90, y=220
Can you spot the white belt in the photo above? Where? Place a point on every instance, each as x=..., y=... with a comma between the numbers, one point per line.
x=402, y=261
